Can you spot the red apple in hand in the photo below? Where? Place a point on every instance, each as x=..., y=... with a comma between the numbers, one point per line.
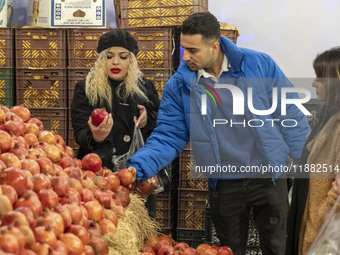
x=98, y=115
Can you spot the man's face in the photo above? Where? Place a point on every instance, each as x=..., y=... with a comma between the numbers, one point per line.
x=197, y=52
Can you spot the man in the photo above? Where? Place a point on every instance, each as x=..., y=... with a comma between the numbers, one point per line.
x=211, y=60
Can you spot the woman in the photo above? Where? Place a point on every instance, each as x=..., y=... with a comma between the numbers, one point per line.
x=115, y=83
x=314, y=196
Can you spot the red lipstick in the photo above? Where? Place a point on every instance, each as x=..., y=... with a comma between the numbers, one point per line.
x=115, y=70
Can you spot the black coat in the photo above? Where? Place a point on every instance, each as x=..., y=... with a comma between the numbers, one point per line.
x=119, y=140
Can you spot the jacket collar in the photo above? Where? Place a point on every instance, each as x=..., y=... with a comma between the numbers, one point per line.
x=234, y=54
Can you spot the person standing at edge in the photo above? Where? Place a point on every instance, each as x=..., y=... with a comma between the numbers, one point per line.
x=314, y=195
x=208, y=59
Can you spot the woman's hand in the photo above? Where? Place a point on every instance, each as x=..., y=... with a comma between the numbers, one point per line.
x=100, y=132
x=336, y=185
x=143, y=117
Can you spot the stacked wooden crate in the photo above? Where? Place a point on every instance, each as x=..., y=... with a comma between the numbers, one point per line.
x=7, y=70
x=41, y=75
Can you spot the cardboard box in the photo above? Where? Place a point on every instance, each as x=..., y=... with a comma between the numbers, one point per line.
x=66, y=13
x=6, y=11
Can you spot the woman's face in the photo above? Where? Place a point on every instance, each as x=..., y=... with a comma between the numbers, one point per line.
x=320, y=90
x=117, y=63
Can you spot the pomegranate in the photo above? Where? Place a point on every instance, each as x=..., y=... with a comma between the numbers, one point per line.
x=53, y=220
x=53, y=153
x=29, y=216
x=202, y=247
x=69, y=151
x=31, y=165
x=10, y=160
x=28, y=234
x=123, y=196
x=37, y=122
x=114, y=182
x=74, y=172
x=146, y=188
x=12, y=127
x=64, y=213
x=91, y=162
x=210, y=251
x=107, y=226
x=9, y=243
x=181, y=247
x=117, y=208
x=66, y=161
x=225, y=250
x=47, y=137
x=98, y=245
x=41, y=248
x=60, y=141
x=45, y=235
x=166, y=250
x=79, y=231
x=2, y=116
x=90, y=174
x=41, y=181
x=73, y=244
x=30, y=139
x=31, y=128
x=86, y=195
x=29, y=201
x=189, y=251
x=14, y=177
x=153, y=242
x=18, y=151
x=147, y=249
x=88, y=250
x=87, y=182
x=10, y=192
x=60, y=185
x=94, y=229
x=14, y=217
x=5, y=141
x=101, y=182
x=110, y=215
x=76, y=212
x=22, y=112
x=2, y=166
x=46, y=166
x=98, y=115
x=5, y=205
x=95, y=210
x=48, y=198
x=126, y=176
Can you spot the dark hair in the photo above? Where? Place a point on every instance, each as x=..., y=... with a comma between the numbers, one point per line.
x=327, y=69
x=203, y=23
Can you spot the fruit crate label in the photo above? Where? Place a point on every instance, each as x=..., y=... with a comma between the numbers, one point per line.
x=61, y=13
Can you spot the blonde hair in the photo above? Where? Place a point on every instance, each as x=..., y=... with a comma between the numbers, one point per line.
x=97, y=86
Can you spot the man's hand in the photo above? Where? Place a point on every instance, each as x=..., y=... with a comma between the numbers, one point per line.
x=134, y=171
x=143, y=117
x=100, y=132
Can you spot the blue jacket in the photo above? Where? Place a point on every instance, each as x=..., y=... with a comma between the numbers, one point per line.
x=176, y=113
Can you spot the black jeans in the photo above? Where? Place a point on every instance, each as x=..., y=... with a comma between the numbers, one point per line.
x=230, y=205
x=150, y=204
